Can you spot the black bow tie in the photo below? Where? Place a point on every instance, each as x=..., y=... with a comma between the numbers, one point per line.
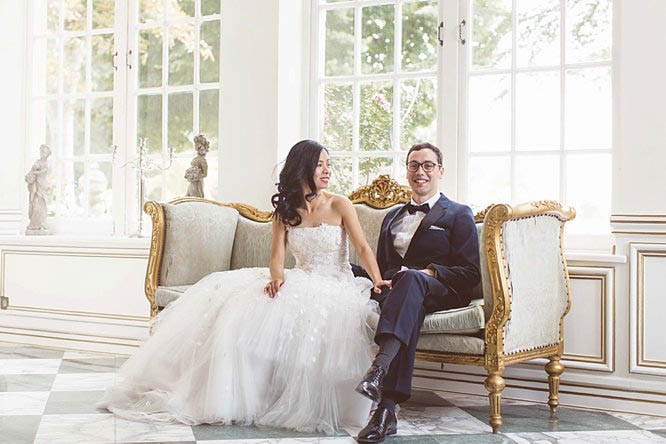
x=414, y=208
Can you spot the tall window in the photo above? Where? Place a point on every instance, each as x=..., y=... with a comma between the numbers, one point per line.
x=107, y=73
x=376, y=84
x=539, y=105
x=533, y=119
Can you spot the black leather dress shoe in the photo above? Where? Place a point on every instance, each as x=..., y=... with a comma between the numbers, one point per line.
x=382, y=424
x=370, y=386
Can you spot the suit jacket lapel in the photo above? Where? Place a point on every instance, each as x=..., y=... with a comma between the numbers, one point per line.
x=433, y=215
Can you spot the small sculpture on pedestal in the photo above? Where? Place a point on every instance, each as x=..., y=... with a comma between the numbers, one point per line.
x=198, y=167
x=37, y=180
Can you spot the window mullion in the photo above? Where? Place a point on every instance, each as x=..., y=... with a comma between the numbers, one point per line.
x=356, y=134
x=514, y=46
x=563, y=163
x=397, y=67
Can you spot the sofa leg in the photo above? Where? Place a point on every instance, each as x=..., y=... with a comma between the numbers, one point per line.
x=495, y=384
x=554, y=369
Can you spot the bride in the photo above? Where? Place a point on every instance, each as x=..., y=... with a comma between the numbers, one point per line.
x=234, y=349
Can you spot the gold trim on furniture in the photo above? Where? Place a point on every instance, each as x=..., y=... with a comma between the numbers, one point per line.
x=382, y=193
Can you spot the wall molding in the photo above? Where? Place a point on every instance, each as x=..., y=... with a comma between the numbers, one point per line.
x=639, y=251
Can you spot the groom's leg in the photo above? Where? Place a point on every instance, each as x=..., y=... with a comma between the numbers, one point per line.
x=402, y=316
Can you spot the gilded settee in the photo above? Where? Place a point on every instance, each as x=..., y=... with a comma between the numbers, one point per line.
x=516, y=314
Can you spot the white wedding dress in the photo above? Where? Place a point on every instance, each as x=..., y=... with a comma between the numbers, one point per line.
x=225, y=352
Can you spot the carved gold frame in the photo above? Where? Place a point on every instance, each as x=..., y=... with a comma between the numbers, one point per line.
x=385, y=192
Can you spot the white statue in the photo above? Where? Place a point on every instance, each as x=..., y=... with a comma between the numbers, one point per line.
x=198, y=167
x=37, y=179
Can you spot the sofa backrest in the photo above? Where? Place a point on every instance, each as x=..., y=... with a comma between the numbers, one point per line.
x=198, y=241
x=252, y=245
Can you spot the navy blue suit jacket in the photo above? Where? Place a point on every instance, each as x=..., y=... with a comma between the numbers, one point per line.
x=446, y=241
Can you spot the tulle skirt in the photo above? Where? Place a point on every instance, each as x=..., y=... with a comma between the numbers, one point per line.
x=225, y=352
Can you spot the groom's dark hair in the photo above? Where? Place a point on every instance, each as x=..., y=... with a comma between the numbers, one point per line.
x=426, y=146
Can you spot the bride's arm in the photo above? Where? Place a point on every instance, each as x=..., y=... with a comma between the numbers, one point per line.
x=278, y=248
x=353, y=227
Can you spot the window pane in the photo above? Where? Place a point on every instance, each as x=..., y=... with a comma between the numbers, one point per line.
x=209, y=112
x=75, y=15
x=588, y=191
x=176, y=182
x=101, y=126
x=588, y=108
x=45, y=66
x=538, y=111
x=73, y=190
x=46, y=16
x=538, y=32
x=180, y=9
x=102, y=62
x=370, y=168
x=181, y=54
x=537, y=178
x=419, y=36
x=210, y=7
x=339, y=46
x=74, y=65
x=45, y=126
x=337, y=117
x=74, y=128
x=150, y=58
x=489, y=181
x=489, y=113
x=103, y=13
x=491, y=34
x=180, y=122
x=100, y=196
x=209, y=51
x=341, y=175
x=377, y=39
x=376, y=123
x=418, y=112
x=149, y=116
x=151, y=11
x=588, y=34
x=153, y=181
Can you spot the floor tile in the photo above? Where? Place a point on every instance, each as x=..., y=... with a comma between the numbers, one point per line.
x=29, y=352
x=23, y=403
x=443, y=420
x=642, y=421
x=461, y=400
x=88, y=365
x=135, y=431
x=487, y=438
x=29, y=366
x=605, y=436
x=326, y=440
x=221, y=432
x=659, y=432
x=430, y=399
x=26, y=383
x=79, y=382
x=74, y=429
x=73, y=403
x=76, y=354
x=19, y=429
x=537, y=418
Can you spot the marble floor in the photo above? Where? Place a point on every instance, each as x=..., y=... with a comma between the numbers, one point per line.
x=48, y=396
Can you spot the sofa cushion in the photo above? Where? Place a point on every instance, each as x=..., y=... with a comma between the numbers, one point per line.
x=464, y=320
x=252, y=245
x=443, y=342
x=199, y=239
x=371, y=222
x=166, y=295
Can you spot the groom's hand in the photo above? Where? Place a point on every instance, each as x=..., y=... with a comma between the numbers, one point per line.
x=430, y=272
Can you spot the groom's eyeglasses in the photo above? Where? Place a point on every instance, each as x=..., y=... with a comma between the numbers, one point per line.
x=428, y=166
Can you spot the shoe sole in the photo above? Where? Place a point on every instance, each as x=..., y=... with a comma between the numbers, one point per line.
x=362, y=388
x=389, y=433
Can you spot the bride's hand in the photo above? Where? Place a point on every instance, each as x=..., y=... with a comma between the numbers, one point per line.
x=272, y=287
x=379, y=284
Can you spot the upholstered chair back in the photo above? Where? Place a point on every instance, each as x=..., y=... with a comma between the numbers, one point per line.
x=252, y=245
x=371, y=222
x=199, y=240
x=536, y=280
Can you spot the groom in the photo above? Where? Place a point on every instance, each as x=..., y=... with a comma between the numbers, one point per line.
x=429, y=249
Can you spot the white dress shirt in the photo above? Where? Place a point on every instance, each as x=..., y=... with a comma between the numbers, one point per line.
x=404, y=227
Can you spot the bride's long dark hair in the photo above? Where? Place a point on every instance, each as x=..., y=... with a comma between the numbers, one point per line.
x=299, y=169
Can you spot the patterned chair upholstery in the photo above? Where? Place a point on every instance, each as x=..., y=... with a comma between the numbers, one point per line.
x=516, y=314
